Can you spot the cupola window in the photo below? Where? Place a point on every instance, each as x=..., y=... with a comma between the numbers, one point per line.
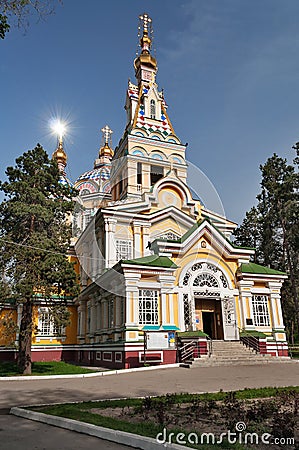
x=153, y=109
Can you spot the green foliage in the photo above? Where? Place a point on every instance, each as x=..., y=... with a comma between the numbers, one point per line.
x=4, y=26
x=17, y=12
x=273, y=228
x=35, y=234
x=9, y=369
x=248, y=233
x=181, y=412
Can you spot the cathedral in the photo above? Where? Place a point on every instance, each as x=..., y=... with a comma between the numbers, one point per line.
x=158, y=270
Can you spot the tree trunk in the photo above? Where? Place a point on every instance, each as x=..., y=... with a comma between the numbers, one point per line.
x=25, y=338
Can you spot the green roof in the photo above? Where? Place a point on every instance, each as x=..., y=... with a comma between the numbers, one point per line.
x=256, y=268
x=152, y=260
x=191, y=334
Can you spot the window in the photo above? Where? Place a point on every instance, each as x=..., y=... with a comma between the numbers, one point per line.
x=123, y=249
x=120, y=186
x=205, y=279
x=169, y=235
x=46, y=325
x=148, y=307
x=156, y=174
x=139, y=173
x=260, y=310
x=153, y=109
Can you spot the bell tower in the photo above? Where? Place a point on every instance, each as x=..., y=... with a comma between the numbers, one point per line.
x=149, y=147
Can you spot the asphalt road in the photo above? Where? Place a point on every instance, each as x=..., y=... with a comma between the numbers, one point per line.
x=21, y=434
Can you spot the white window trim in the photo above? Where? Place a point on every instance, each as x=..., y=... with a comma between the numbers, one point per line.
x=148, y=297
x=48, y=331
x=260, y=300
x=124, y=249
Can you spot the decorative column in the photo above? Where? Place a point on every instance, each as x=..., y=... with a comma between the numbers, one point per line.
x=137, y=240
x=82, y=312
x=246, y=303
x=275, y=305
x=110, y=250
x=181, y=314
x=166, y=305
x=145, y=239
x=98, y=312
x=131, y=319
x=93, y=317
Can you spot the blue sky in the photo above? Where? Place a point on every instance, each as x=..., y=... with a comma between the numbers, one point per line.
x=229, y=69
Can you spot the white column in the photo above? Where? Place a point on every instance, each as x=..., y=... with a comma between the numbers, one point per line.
x=145, y=238
x=82, y=311
x=275, y=300
x=93, y=316
x=98, y=311
x=110, y=250
x=137, y=240
x=163, y=307
x=181, y=309
x=245, y=292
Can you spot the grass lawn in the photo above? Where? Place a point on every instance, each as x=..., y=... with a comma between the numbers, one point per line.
x=8, y=369
x=259, y=409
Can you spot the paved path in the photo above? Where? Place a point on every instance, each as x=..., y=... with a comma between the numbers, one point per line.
x=21, y=434
x=156, y=382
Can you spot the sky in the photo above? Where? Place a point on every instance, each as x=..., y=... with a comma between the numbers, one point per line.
x=229, y=69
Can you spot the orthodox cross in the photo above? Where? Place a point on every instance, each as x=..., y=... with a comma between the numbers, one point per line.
x=107, y=132
x=146, y=20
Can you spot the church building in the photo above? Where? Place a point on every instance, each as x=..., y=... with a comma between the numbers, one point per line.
x=157, y=268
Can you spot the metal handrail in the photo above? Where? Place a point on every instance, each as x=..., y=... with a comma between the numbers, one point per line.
x=249, y=341
x=293, y=348
x=186, y=351
x=209, y=346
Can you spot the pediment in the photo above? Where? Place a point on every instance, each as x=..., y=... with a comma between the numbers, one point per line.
x=203, y=237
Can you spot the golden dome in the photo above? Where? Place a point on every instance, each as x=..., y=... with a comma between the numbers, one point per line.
x=60, y=155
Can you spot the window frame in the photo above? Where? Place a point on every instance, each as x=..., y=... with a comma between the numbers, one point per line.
x=148, y=307
x=260, y=310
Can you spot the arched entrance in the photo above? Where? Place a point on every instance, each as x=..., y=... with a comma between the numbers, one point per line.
x=209, y=303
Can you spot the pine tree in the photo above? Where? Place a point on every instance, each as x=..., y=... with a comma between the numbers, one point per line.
x=248, y=234
x=34, y=238
x=277, y=216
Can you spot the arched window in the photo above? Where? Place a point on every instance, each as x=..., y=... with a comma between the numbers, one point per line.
x=205, y=279
x=153, y=109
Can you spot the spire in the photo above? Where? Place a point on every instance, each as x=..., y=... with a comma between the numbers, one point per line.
x=146, y=41
x=145, y=64
x=60, y=156
x=106, y=150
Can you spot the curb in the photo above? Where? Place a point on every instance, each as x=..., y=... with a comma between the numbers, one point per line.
x=108, y=434
x=89, y=375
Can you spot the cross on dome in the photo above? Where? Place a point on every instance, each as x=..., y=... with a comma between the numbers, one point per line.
x=107, y=132
x=146, y=20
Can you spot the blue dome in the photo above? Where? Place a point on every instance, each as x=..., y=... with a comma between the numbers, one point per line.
x=97, y=174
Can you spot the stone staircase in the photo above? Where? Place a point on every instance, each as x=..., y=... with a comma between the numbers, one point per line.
x=230, y=353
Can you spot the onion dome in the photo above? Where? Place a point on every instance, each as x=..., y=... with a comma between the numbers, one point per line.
x=97, y=179
x=60, y=156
